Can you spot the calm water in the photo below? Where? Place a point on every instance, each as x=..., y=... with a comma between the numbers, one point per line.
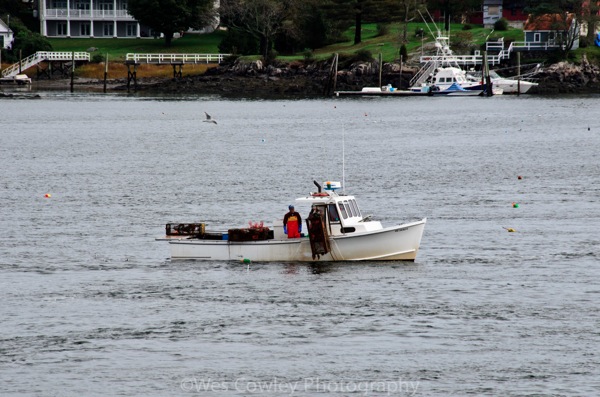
x=92, y=306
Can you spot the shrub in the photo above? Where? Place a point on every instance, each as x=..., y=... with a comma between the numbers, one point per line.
x=97, y=58
x=462, y=42
x=271, y=56
x=237, y=42
x=403, y=53
x=501, y=24
x=383, y=29
x=308, y=55
x=363, y=55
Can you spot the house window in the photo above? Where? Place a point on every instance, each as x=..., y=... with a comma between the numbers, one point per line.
x=59, y=4
x=493, y=10
x=106, y=5
x=124, y=5
x=537, y=37
x=84, y=29
x=82, y=5
x=61, y=29
x=131, y=29
x=108, y=29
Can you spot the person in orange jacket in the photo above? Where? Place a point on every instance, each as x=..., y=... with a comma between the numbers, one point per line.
x=292, y=223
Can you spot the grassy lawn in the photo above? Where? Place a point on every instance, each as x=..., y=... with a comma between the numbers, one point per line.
x=388, y=44
x=118, y=48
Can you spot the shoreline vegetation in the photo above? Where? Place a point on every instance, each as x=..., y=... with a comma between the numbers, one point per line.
x=306, y=74
x=295, y=79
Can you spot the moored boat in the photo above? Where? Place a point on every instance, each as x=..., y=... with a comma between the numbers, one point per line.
x=507, y=85
x=336, y=230
x=450, y=81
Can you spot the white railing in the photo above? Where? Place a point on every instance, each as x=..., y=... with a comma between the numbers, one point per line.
x=176, y=58
x=423, y=74
x=524, y=45
x=63, y=13
x=41, y=56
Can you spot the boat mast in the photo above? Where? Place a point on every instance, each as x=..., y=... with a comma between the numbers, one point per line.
x=343, y=159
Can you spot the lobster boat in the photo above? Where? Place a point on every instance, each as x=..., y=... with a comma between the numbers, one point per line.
x=336, y=230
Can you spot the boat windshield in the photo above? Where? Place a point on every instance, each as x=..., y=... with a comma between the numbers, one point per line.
x=343, y=210
x=355, y=205
x=333, y=213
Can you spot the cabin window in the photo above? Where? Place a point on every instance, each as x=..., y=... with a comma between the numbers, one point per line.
x=537, y=37
x=349, y=209
x=493, y=10
x=355, y=206
x=343, y=210
x=333, y=213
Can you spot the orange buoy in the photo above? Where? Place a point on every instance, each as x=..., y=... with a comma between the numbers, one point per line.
x=47, y=195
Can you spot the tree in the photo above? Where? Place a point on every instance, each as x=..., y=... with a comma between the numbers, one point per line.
x=26, y=42
x=170, y=16
x=451, y=9
x=563, y=18
x=262, y=19
x=358, y=11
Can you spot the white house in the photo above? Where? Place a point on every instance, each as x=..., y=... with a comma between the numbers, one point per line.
x=6, y=35
x=90, y=18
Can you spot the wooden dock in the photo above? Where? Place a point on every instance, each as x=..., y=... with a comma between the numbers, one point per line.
x=374, y=91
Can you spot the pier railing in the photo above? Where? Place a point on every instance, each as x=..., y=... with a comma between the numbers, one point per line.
x=175, y=58
x=41, y=56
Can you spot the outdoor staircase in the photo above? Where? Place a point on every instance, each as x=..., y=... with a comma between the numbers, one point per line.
x=42, y=56
x=423, y=74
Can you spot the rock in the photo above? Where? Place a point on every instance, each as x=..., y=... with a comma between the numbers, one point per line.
x=566, y=77
x=313, y=79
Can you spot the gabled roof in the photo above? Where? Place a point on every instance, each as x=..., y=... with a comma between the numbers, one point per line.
x=547, y=22
x=4, y=27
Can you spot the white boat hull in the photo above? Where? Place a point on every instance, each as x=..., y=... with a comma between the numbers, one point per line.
x=513, y=86
x=387, y=244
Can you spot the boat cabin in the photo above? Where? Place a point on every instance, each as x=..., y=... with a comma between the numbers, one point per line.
x=445, y=77
x=341, y=213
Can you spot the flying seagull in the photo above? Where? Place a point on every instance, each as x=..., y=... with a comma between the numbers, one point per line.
x=209, y=119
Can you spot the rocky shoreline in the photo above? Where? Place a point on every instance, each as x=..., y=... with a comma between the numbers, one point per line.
x=300, y=80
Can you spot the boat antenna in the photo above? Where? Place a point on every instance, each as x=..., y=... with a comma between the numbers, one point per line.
x=343, y=159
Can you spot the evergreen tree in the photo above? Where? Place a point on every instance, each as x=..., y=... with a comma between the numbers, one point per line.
x=171, y=16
